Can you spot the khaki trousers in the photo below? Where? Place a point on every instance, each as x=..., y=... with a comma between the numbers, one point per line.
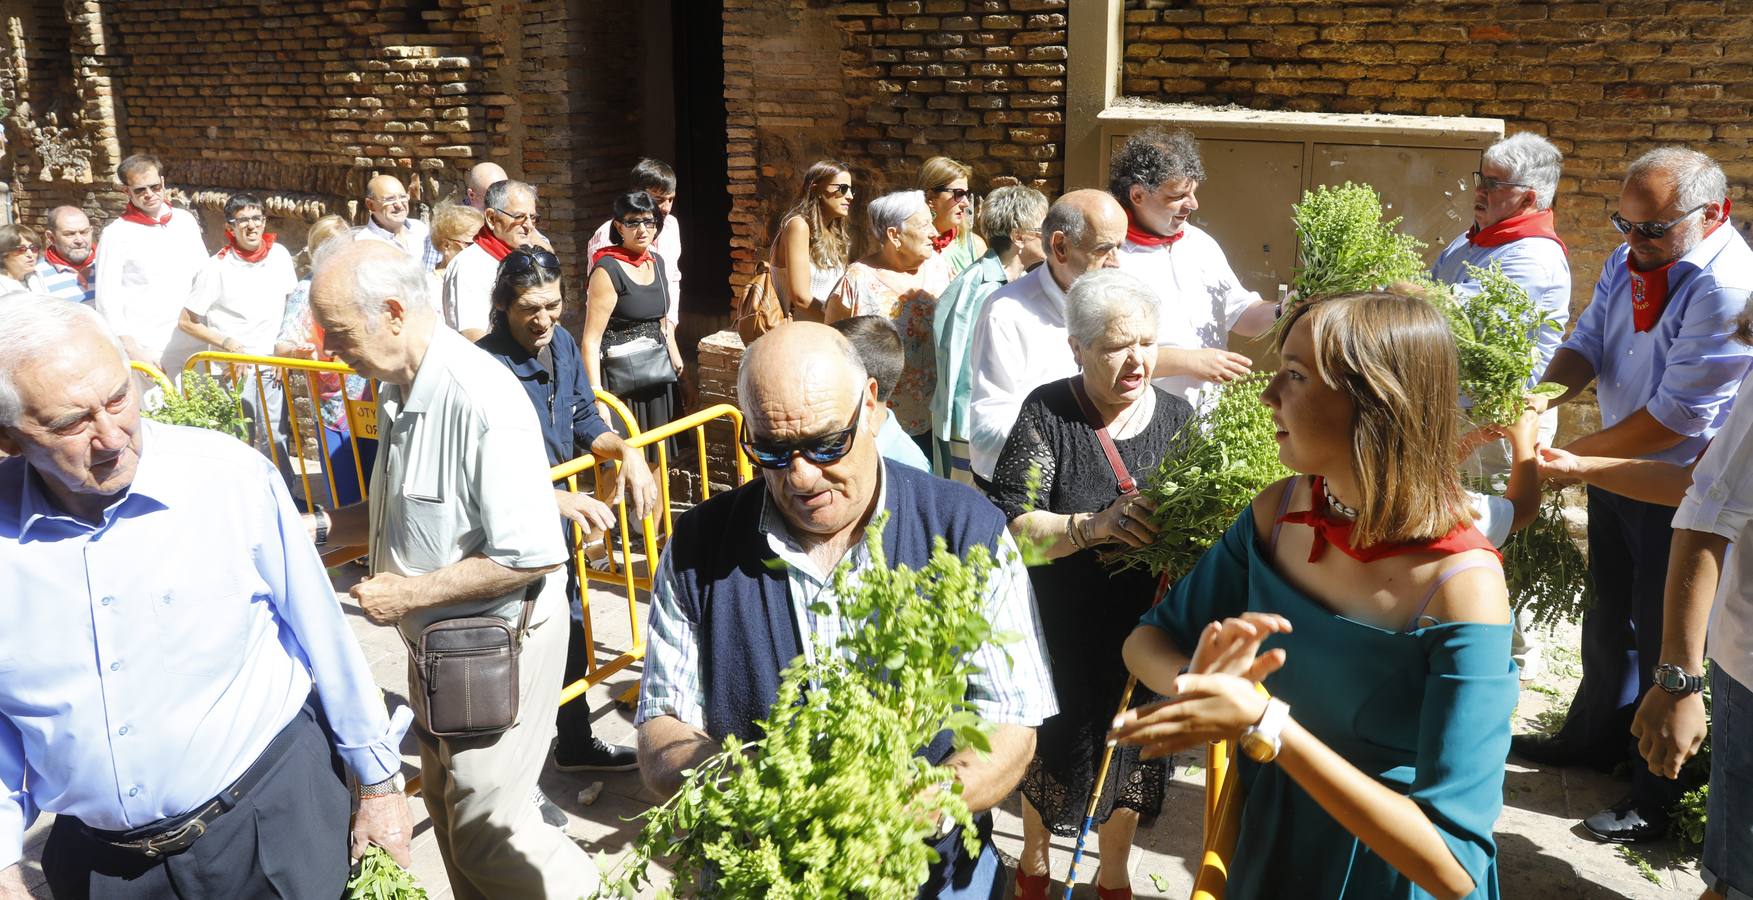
x=478, y=790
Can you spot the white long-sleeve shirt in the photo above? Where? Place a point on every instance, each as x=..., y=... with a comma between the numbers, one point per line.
x=1201, y=298
x=1020, y=343
x=1537, y=264
x=1720, y=502
x=144, y=276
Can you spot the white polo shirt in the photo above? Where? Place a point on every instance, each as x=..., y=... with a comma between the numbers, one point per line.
x=242, y=300
x=468, y=289
x=1201, y=298
x=461, y=471
x=1720, y=502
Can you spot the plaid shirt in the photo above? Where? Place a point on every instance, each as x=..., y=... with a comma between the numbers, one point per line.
x=1017, y=690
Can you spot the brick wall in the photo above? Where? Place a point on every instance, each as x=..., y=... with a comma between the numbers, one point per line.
x=883, y=86
x=1604, y=81
x=305, y=101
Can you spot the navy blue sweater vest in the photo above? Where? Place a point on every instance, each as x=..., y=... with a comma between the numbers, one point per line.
x=728, y=584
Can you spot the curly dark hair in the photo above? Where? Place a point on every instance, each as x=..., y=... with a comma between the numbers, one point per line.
x=1151, y=157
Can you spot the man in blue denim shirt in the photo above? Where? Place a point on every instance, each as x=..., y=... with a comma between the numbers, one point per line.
x=177, y=682
x=1657, y=341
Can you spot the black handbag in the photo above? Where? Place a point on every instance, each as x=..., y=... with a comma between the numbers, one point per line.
x=638, y=369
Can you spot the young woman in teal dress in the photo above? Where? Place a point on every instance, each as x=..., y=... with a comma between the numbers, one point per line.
x=1383, y=619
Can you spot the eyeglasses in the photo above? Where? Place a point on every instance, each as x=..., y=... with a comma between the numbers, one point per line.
x=518, y=219
x=822, y=451
x=391, y=201
x=959, y=194
x=1492, y=184
x=839, y=190
x=526, y=258
x=145, y=189
x=631, y=224
x=1651, y=230
x=25, y=248
x=249, y=220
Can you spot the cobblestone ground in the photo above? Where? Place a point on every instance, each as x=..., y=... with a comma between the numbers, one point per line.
x=1544, y=852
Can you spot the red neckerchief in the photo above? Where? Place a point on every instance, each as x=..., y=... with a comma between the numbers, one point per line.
x=83, y=271
x=944, y=239
x=1144, y=238
x=623, y=254
x=1537, y=224
x=1338, y=533
x=491, y=243
x=232, y=248
x=1649, y=290
x=139, y=217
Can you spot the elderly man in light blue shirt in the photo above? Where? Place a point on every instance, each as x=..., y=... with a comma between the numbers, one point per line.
x=177, y=682
x=1658, y=343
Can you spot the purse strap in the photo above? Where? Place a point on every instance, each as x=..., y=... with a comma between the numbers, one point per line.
x=1122, y=478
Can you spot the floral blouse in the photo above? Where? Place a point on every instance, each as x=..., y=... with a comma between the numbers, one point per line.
x=863, y=292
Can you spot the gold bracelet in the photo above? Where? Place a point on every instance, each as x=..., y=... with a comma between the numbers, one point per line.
x=1071, y=531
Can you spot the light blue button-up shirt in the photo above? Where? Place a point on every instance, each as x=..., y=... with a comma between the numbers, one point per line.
x=147, y=661
x=1686, y=369
x=1538, y=264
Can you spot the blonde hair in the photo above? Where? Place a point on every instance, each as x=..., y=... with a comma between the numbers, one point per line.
x=321, y=232
x=941, y=170
x=454, y=222
x=1392, y=354
x=830, y=242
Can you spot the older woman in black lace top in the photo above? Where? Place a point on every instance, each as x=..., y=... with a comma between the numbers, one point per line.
x=1086, y=611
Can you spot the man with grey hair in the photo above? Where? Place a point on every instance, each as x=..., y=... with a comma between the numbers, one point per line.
x=1020, y=340
x=1657, y=341
x=723, y=626
x=511, y=220
x=67, y=268
x=177, y=683
x=460, y=522
x=1155, y=175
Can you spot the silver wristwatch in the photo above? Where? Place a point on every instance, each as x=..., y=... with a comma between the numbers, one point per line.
x=391, y=785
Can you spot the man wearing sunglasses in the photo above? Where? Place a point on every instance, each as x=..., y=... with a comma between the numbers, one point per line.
x=146, y=262
x=511, y=221
x=722, y=627
x=1657, y=341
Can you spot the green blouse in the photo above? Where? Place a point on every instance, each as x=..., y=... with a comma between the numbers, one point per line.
x=1424, y=711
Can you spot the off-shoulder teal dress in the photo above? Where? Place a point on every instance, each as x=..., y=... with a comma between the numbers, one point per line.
x=1425, y=711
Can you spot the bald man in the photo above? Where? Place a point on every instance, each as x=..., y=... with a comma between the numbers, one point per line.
x=1020, y=342
x=481, y=177
x=387, y=202
x=462, y=525
x=721, y=632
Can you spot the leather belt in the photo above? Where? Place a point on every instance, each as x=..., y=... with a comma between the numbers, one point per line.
x=176, y=834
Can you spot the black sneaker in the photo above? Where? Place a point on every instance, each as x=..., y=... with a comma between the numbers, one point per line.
x=1624, y=823
x=551, y=811
x=596, y=756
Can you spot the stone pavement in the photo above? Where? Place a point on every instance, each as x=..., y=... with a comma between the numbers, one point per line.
x=1542, y=850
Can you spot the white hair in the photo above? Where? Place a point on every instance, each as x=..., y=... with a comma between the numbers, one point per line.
x=400, y=276
x=893, y=211
x=1531, y=160
x=1697, y=178
x=1099, y=299
x=30, y=325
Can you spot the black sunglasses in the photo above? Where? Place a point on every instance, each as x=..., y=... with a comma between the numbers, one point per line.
x=524, y=258
x=957, y=193
x=1651, y=230
x=827, y=449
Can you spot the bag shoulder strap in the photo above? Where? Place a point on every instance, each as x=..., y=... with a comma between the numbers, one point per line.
x=1122, y=478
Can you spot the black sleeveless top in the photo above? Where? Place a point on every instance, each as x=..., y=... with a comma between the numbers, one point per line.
x=639, y=308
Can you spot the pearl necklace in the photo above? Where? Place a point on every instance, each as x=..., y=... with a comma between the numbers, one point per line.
x=1337, y=506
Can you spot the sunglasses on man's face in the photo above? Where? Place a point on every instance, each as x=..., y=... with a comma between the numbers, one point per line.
x=1651, y=230
x=824, y=450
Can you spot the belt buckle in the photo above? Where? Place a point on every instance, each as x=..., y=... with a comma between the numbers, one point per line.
x=175, y=841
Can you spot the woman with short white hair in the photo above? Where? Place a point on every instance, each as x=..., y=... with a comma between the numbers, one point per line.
x=1077, y=513
x=900, y=279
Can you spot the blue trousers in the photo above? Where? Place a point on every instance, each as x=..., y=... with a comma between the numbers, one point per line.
x=1622, y=635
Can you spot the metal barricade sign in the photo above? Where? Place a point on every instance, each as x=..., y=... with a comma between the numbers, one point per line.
x=363, y=415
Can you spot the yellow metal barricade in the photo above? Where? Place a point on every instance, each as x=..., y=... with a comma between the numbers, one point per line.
x=654, y=533
x=154, y=373
x=1223, y=815
x=276, y=377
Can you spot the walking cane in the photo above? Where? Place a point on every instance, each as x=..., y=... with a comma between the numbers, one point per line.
x=1089, y=814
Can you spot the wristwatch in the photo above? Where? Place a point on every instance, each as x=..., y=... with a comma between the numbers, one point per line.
x=1678, y=681
x=322, y=525
x=1260, y=741
x=391, y=785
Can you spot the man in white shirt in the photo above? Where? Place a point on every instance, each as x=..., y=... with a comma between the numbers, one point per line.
x=659, y=181
x=146, y=262
x=1154, y=176
x=239, y=296
x=460, y=522
x=1021, y=341
x=387, y=202
x=511, y=218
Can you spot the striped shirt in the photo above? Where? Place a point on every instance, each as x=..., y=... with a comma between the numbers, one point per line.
x=1012, y=684
x=63, y=281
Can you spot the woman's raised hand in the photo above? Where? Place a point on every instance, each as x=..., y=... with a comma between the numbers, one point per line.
x=1126, y=521
x=1232, y=647
x=1211, y=707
